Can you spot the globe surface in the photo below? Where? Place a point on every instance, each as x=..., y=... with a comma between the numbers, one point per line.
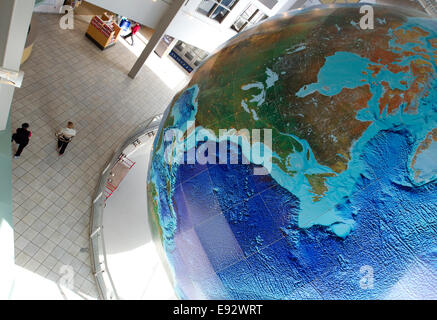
x=346, y=206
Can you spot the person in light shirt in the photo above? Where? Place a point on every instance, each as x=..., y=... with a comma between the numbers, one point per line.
x=65, y=136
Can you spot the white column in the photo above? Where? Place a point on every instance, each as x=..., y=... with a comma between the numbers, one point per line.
x=157, y=35
x=15, y=18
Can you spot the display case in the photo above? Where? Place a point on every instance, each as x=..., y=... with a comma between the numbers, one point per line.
x=102, y=33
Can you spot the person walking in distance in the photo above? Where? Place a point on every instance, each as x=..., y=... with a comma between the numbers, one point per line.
x=21, y=137
x=65, y=136
x=134, y=30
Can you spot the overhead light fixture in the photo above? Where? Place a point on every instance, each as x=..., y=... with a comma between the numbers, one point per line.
x=10, y=77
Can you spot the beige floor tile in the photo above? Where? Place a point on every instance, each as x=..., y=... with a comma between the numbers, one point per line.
x=68, y=78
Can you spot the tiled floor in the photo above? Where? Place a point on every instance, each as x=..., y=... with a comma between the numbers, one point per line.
x=69, y=78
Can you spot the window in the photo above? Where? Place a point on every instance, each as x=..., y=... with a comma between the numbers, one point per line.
x=199, y=53
x=189, y=56
x=251, y=16
x=189, y=53
x=180, y=46
x=269, y=3
x=216, y=9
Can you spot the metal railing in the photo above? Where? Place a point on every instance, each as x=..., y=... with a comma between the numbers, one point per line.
x=105, y=285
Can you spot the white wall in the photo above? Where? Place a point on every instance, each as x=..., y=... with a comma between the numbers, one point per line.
x=193, y=29
x=147, y=12
x=207, y=34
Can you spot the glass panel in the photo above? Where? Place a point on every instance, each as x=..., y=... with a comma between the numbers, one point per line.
x=180, y=46
x=205, y=6
x=249, y=12
x=219, y=14
x=239, y=24
x=216, y=9
x=258, y=17
x=196, y=51
x=202, y=55
x=269, y=3
x=252, y=15
x=199, y=53
x=189, y=56
x=228, y=3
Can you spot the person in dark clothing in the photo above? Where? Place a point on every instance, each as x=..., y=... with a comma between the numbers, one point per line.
x=21, y=137
x=134, y=30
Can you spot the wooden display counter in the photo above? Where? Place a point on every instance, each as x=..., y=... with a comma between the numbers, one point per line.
x=102, y=34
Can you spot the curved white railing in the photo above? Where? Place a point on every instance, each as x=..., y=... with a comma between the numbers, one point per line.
x=101, y=272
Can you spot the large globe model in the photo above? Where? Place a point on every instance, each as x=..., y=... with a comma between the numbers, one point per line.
x=346, y=206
